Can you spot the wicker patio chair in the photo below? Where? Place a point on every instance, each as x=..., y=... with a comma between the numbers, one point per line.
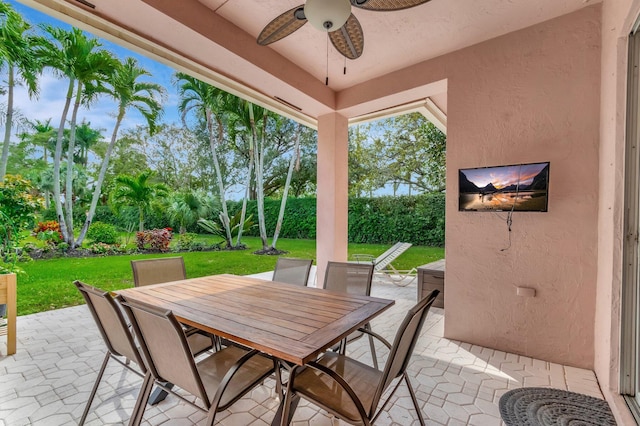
x=351, y=390
x=351, y=278
x=218, y=380
x=292, y=271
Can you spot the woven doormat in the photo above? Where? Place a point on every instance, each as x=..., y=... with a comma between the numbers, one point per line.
x=551, y=407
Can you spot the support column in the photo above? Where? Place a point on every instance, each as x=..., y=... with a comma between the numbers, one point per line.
x=333, y=197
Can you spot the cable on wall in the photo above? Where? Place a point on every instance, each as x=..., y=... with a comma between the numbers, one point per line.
x=509, y=219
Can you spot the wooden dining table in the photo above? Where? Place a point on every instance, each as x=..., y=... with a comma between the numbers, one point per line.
x=291, y=323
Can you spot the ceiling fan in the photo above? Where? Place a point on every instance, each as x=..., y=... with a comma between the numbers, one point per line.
x=333, y=17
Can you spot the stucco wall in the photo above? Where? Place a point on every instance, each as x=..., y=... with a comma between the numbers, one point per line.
x=529, y=96
x=618, y=17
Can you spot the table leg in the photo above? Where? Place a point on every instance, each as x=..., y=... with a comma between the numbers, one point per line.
x=277, y=418
x=159, y=394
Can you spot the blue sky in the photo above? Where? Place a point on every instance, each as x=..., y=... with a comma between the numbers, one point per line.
x=101, y=115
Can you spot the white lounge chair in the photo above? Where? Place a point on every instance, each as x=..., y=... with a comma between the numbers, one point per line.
x=382, y=264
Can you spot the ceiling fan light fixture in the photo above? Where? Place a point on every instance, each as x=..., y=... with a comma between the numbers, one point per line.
x=327, y=15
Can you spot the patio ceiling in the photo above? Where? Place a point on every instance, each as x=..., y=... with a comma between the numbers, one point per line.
x=216, y=40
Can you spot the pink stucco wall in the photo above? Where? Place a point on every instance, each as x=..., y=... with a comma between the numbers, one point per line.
x=529, y=96
x=332, y=198
x=618, y=17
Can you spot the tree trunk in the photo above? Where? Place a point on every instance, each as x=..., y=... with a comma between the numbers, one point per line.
x=57, y=196
x=243, y=213
x=283, y=202
x=259, y=159
x=141, y=218
x=46, y=192
x=68, y=199
x=103, y=171
x=8, y=124
x=224, y=216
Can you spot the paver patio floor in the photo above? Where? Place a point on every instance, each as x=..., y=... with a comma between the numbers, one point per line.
x=59, y=353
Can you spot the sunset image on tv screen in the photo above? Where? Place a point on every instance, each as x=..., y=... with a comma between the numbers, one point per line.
x=522, y=187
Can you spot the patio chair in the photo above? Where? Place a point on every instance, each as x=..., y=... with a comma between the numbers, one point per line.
x=115, y=333
x=292, y=271
x=383, y=264
x=218, y=380
x=157, y=271
x=352, y=278
x=163, y=270
x=351, y=390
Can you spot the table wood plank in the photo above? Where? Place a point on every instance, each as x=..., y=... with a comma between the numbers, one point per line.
x=290, y=322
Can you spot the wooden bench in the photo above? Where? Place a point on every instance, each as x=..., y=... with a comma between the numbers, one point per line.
x=8, y=297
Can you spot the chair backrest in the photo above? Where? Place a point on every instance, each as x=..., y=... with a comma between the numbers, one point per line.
x=404, y=343
x=164, y=346
x=292, y=271
x=156, y=271
x=111, y=323
x=352, y=278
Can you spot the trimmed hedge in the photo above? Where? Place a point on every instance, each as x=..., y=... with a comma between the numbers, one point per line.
x=299, y=217
x=416, y=219
x=386, y=220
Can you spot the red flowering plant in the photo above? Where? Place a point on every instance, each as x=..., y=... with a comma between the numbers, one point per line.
x=154, y=240
x=49, y=232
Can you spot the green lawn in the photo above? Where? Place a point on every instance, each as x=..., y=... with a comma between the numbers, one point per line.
x=47, y=284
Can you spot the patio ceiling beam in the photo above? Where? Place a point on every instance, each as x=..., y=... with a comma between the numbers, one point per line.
x=426, y=107
x=136, y=36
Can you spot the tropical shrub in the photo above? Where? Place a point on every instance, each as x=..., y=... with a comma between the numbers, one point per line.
x=154, y=240
x=49, y=232
x=216, y=227
x=101, y=248
x=187, y=242
x=18, y=208
x=102, y=233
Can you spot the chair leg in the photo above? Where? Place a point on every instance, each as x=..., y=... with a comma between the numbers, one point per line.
x=414, y=399
x=374, y=357
x=141, y=402
x=95, y=389
x=211, y=417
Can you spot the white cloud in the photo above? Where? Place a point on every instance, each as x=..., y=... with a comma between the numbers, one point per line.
x=101, y=114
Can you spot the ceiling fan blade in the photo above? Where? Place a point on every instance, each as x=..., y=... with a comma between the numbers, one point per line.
x=282, y=26
x=386, y=5
x=349, y=39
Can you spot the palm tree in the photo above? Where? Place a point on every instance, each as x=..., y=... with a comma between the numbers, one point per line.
x=86, y=138
x=138, y=191
x=129, y=92
x=21, y=64
x=42, y=135
x=72, y=55
x=187, y=207
x=244, y=120
x=295, y=159
x=210, y=102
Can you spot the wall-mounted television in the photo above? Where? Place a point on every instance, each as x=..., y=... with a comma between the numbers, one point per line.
x=519, y=187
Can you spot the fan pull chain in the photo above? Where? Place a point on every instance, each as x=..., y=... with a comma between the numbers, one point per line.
x=345, y=65
x=326, y=80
